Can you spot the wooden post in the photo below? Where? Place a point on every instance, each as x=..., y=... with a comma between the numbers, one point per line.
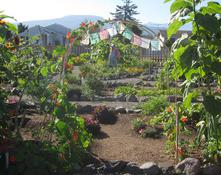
x=177, y=132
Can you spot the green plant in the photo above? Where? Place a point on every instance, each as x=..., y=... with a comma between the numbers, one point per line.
x=127, y=90
x=92, y=86
x=197, y=56
x=154, y=106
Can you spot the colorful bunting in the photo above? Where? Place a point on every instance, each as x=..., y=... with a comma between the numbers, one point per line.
x=145, y=43
x=104, y=34
x=112, y=31
x=136, y=40
x=128, y=34
x=86, y=40
x=94, y=38
x=155, y=45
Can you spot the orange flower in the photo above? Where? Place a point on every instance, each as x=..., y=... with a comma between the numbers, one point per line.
x=8, y=45
x=184, y=119
x=68, y=35
x=12, y=159
x=169, y=109
x=75, y=136
x=2, y=22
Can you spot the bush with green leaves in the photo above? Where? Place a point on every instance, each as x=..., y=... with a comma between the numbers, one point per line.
x=154, y=106
x=196, y=57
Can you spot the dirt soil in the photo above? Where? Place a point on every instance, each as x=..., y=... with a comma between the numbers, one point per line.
x=119, y=142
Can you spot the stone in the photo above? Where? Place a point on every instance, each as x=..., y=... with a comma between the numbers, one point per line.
x=118, y=166
x=167, y=168
x=121, y=97
x=171, y=98
x=143, y=99
x=151, y=168
x=89, y=169
x=211, y=170
x=132, y=98
x=189, y=166
x=120, y=110
x=137, y=111
x=129, y=111
x=84, y=98
x=132, y=168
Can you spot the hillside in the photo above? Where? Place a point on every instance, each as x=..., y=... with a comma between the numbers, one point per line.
x=72, y=21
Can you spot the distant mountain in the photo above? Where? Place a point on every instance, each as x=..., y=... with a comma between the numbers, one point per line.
x=72, y=21
x=155, y=27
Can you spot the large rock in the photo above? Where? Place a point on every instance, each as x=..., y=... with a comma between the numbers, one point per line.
x=121, y=97
x=211, y=170
x=151, y=168
x=132, y=168
x=189, y=166
x=132, y=98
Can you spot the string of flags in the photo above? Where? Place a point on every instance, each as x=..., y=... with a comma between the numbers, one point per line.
x=120, y=28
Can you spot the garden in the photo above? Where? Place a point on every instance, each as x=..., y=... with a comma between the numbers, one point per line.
x=62, y=113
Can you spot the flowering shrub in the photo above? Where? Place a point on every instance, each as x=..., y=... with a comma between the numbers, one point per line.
x=104, y=115
x=144, y=130
x=92, y=125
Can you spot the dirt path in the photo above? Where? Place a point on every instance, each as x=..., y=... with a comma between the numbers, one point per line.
x=118, y=142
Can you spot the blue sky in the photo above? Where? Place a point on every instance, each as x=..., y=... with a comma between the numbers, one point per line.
x=150, y=10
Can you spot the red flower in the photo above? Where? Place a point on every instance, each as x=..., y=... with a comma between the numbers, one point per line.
x=75, y=136
x=72, y=40
x=12, y=159
x=68, y=34
x=91, y=24
x=83, y=24
x=184, y=119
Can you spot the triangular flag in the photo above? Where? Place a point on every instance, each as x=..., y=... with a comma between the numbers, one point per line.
x=112, y=31
x=104, y=34
x=128, y=34
x=85, y=40
x=155, y=45
x=94, y=38
x=136, y=40
x=145, y=43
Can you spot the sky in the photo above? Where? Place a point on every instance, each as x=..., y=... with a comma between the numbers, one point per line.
x=25, y=10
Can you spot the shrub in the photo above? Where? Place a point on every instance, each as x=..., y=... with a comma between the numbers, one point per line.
x=138, y=124
x=72, y=79
x=92, y=86
x=92, y=125
x=141, y=128
x=154, y=106
x=104, y=115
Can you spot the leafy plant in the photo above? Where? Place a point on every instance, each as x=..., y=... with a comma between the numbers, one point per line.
x=154, y=106
x=197, y=56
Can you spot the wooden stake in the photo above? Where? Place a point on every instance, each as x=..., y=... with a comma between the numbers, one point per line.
x=177, y=132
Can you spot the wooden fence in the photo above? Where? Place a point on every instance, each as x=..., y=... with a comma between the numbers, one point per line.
x=156, y=56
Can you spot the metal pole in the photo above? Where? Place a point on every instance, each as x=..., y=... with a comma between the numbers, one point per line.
x=177, y=133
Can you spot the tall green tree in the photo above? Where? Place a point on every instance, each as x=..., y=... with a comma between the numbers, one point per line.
x=125, y=12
